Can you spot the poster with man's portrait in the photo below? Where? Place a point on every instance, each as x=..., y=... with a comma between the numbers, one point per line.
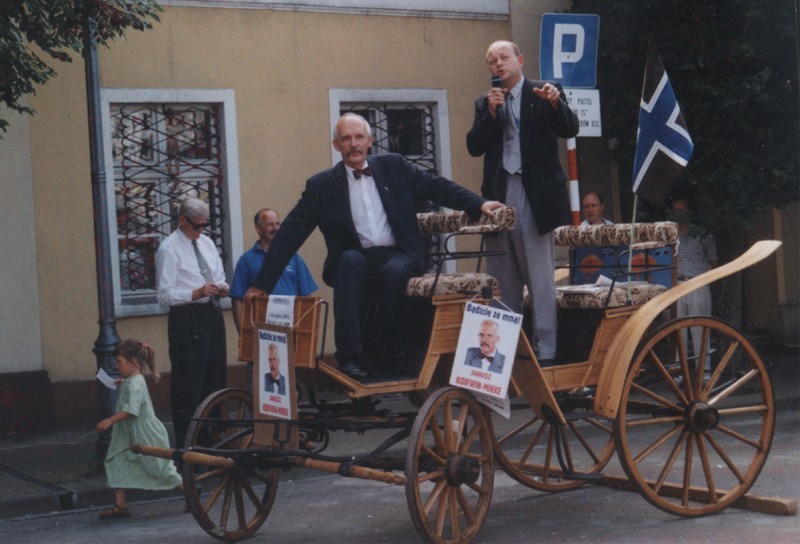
x=487, y=345
x=274, y=380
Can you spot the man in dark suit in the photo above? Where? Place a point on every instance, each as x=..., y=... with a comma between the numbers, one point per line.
x=521, y=168
x=366, y=211
x=486, y=353
x=274, y=381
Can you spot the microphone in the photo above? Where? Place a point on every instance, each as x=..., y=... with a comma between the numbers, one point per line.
x=497, y=82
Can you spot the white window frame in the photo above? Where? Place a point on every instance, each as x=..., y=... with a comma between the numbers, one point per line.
x=226, y=100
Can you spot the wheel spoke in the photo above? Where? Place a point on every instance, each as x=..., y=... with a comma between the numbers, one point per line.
x=701, y=450
x=513, y=434
x=724, y=456
x=239, y=497
x=466, y=507
x=732, y=388
x=687, y=469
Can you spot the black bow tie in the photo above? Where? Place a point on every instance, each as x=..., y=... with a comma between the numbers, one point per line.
x=489, y=358
x=367, y=171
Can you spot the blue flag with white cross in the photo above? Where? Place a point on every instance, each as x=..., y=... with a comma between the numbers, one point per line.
x=663, y=144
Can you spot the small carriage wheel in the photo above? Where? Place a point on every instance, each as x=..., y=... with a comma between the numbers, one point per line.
x=449, y=467
x=526, y=446
x=229, y=504
x=692, y=443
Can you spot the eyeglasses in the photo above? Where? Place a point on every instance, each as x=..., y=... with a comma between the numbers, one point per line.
x=196, y=226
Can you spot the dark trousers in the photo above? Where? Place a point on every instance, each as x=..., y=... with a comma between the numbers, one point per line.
x=382, y=270
x=197, y=351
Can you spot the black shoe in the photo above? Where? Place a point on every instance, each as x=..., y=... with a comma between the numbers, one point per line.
x=544, y=363
x=352, y=370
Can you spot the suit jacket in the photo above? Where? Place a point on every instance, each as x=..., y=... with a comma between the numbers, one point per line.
x=325, y=203
x=542, y=176
x=275, y=386
x=474, y=358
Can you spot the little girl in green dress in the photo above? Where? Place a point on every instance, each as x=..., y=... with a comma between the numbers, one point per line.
x=135, y=423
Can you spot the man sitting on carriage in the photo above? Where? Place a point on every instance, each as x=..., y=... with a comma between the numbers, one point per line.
x=366, y=211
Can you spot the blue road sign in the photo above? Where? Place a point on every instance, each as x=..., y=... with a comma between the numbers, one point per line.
x=568, y=50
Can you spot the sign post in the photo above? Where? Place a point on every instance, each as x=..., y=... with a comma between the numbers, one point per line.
x=568, y=54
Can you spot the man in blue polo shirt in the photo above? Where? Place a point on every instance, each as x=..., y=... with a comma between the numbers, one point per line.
x=295, y=280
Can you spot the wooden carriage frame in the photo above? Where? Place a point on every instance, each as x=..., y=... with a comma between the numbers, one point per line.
x=638, y=380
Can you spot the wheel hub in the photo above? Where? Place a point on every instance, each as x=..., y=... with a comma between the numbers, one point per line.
x=702, y=417
x=462, y=470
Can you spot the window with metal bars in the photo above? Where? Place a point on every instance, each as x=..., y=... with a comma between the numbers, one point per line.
x=162, y=153
x=406, y=129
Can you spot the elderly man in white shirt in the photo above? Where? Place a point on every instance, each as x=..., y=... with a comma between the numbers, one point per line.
x=191, y=280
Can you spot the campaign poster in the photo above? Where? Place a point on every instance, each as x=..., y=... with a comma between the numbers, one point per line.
x=487, y=346
x=274, y=379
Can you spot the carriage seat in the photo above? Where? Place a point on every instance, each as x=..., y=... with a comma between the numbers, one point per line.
x=646, y=236
x=456, y=223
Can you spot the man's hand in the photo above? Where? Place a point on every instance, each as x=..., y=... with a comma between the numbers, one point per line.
x=488, y=207
x=550, y=93
x=496, y=97
x=254, y=292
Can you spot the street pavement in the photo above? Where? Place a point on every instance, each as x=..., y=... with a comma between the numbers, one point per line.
x=50, y=491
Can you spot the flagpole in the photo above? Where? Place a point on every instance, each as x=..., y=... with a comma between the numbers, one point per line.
x=630, y=246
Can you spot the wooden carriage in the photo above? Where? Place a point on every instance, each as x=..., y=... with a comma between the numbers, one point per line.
x=691, y=445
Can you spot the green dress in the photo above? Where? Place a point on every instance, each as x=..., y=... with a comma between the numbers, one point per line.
x=128, y=470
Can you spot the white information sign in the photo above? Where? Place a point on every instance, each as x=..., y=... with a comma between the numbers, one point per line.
x=280, y=310
x=586, y=105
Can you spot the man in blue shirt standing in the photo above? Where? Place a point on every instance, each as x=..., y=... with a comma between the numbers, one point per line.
x=295, y=280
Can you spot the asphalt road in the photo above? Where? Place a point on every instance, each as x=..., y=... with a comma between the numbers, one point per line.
x=313, y=508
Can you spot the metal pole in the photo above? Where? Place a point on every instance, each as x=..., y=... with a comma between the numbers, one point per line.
x=574, y=191
x=107, y=338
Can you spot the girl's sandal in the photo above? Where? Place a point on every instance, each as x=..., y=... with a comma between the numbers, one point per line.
x=115, y=512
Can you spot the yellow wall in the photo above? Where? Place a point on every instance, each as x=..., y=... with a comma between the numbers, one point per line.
x=280, y=65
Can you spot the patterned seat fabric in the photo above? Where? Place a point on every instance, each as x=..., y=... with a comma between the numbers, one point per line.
x=652, y=234
x=458, y=282
x=593, y=297
x=457, y=221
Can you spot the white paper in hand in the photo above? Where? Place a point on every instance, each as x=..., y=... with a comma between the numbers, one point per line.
x=105, y=379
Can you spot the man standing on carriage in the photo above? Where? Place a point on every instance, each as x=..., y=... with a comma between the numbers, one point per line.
x=366, y=211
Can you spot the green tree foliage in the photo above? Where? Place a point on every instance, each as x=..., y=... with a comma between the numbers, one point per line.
x=35, y=31
x=734, y=67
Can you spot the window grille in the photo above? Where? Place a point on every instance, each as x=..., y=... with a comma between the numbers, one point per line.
x=162, y=154
x=400, y=128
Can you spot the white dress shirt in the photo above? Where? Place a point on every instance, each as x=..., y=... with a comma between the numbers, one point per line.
x=177, y=271
x=369, y=217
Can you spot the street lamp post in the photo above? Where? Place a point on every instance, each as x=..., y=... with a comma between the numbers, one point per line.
x=107, y=338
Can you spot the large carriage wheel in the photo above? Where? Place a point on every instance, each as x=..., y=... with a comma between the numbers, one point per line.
x=449, y=467
x=230, y=504
x=694, y=444
x=527, y=446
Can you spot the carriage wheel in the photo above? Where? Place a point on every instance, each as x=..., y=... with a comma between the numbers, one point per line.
x=449, y=467
x=527, y=446
x=694, y=444
x=230, y=504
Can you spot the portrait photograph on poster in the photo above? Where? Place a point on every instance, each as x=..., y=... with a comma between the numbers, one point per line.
x=274, y=379
x=486, y=348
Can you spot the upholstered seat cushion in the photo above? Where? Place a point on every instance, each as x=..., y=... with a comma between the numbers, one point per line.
x=457, y=282
x=653, y=234
x=594, y=297
x=457, y=221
